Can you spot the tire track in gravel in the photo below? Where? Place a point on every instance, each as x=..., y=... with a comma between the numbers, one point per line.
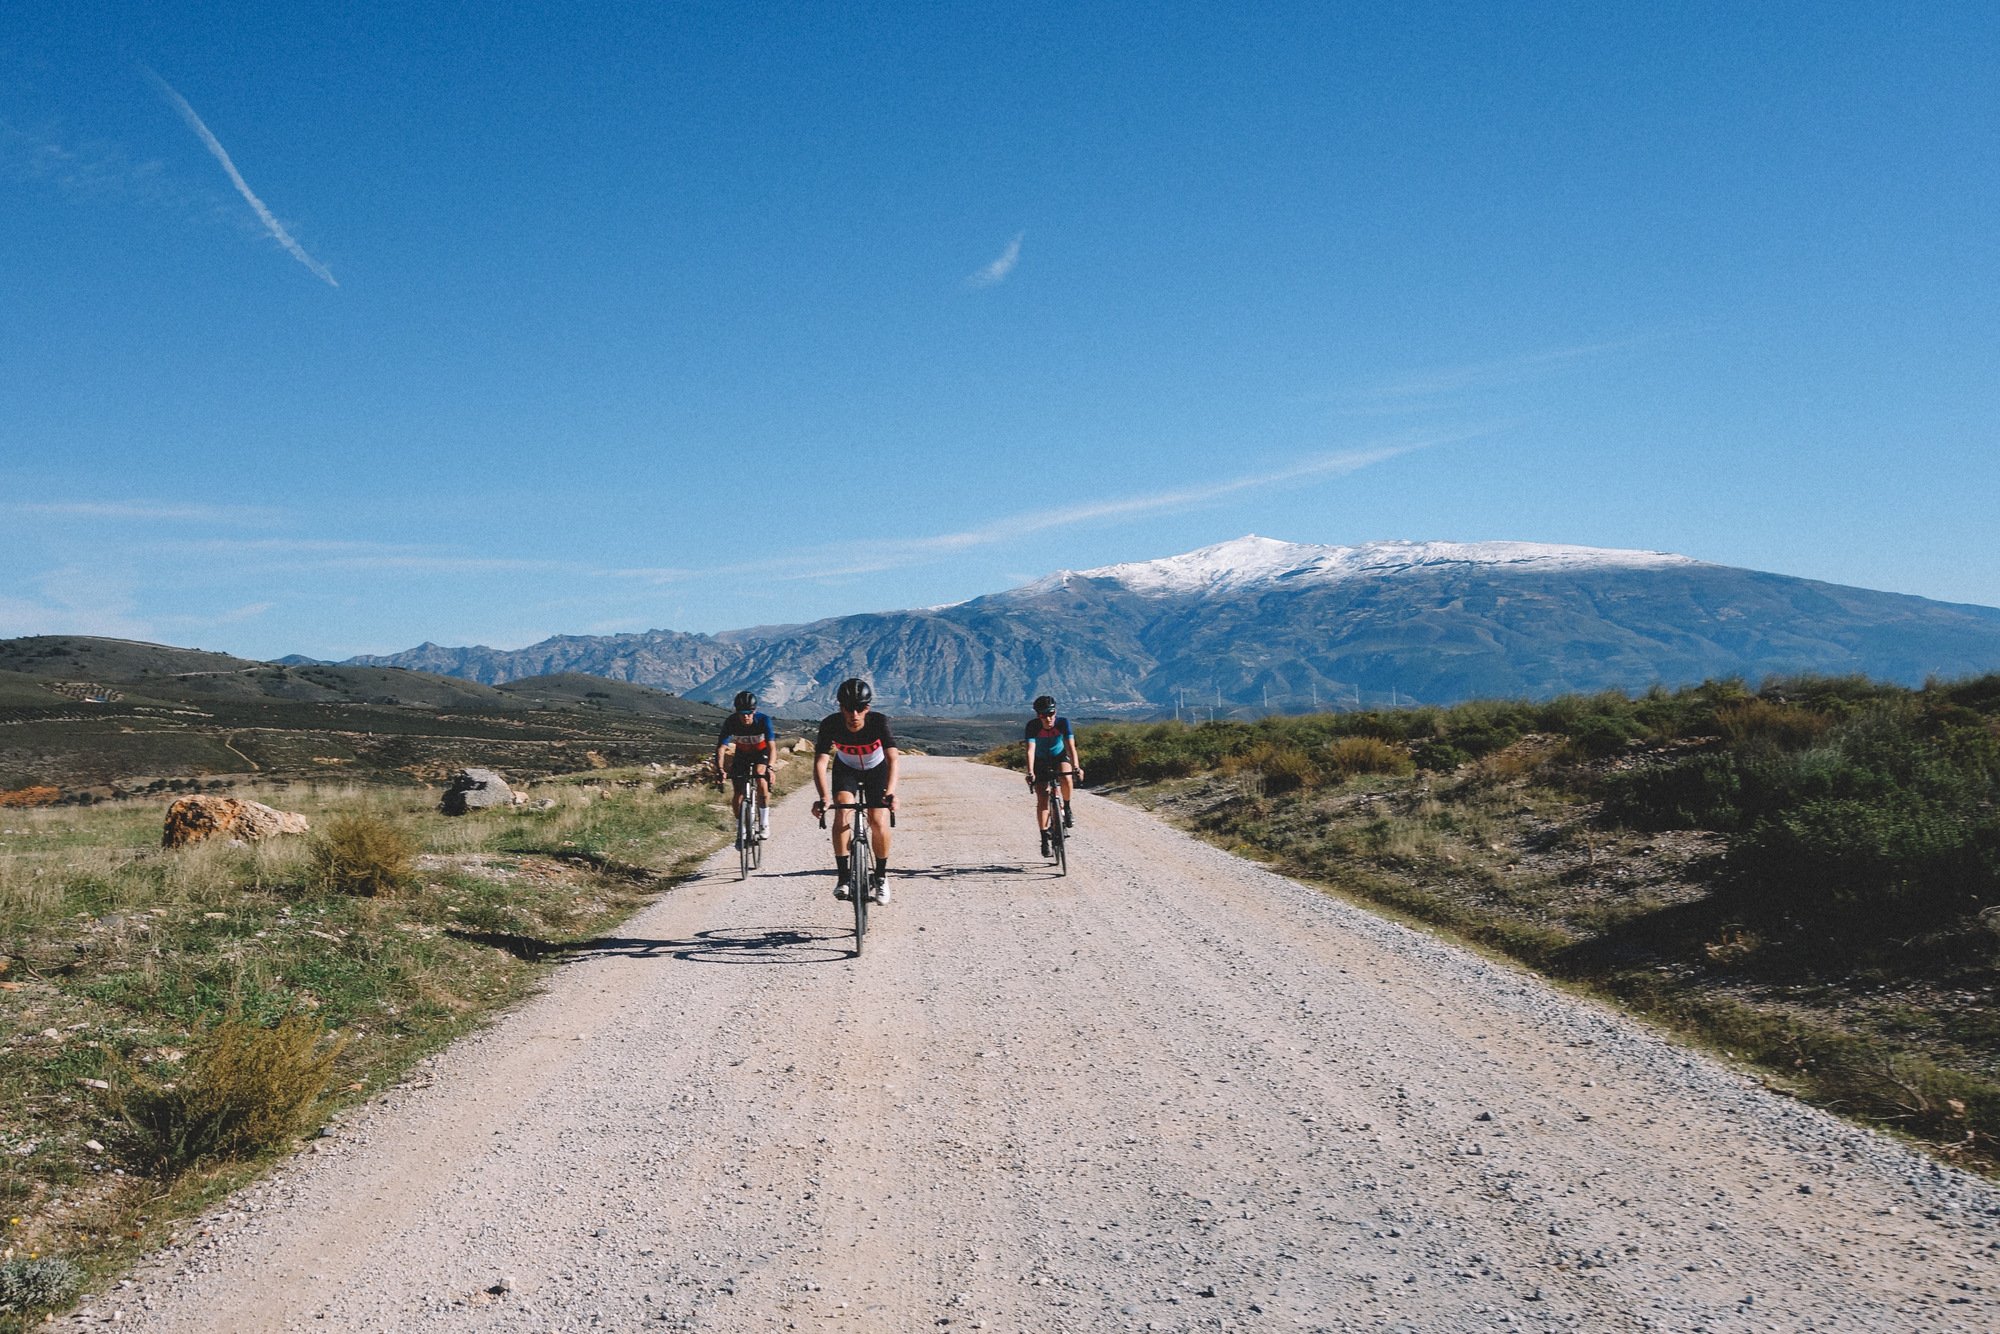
x=1170, y=1091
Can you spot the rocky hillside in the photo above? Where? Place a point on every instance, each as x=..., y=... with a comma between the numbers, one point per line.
x=1256, y=624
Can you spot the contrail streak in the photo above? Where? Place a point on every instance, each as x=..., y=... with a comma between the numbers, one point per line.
x=271, y=224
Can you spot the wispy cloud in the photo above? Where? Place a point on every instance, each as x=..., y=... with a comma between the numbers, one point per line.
x=249, y=611
x=1488, y=374
x=848, y=559
x=314, y=553
x=271, y=224
x=998, y=270
x=889, y=555
x=93, y=169
x=143, y=511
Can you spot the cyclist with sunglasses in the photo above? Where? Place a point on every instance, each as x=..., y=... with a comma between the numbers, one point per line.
x=854, y=763
x=1052, y=753
x=749, y=741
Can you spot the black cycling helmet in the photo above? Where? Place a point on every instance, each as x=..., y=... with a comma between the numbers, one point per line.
x=745, y=701
x=1045, y=704
x=856, y=693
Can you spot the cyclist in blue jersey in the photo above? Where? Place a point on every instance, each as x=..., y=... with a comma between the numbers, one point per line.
x=1052, y=751
x=748, y=741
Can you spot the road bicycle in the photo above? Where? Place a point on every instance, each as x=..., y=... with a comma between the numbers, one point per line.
x=861, y=857
x=1058, y=835
x=750, y=822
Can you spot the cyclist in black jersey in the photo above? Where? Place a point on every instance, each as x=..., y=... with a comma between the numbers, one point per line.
x=855, y=760
x=748, y=741
x=1051, y=751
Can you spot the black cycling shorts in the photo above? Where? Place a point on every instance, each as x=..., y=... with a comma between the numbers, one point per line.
x=1055, y=767
x=744, y=760
x=871, y=784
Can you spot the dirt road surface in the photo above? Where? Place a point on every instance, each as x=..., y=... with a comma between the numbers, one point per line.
x=1168, y=1092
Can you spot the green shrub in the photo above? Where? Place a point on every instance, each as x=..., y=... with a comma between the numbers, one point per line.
x=247, y=1089
x=1287, y=769
x=363, y=854
x=1596, y=735
x=34, y=1285
x=1700, y=792
x=1905, y=861
x=1438, y=756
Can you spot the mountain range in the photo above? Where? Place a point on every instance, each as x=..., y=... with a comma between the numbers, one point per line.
x=1256, y=624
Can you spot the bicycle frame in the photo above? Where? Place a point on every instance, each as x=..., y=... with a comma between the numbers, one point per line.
x=749, y=835
x=1049, y=799
x=861, y=855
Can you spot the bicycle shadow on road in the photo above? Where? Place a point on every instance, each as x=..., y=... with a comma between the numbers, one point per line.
x=732, y=945
x=951, y=871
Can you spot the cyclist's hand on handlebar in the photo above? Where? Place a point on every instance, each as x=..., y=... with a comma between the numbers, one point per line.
x=819, y=810
x=889, y=799
x=1031, y=780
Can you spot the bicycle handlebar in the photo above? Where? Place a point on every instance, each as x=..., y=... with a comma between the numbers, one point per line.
x=827, y=806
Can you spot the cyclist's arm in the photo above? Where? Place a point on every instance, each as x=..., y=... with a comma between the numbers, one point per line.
x=822, y=771
x=1075, y=754
x=890, y=756
x=1031, y=761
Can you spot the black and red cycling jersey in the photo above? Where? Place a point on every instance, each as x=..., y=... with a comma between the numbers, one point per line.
x=862, y=749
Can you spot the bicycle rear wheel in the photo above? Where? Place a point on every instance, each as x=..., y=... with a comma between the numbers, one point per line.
x=1057, y=843
x=864, y=874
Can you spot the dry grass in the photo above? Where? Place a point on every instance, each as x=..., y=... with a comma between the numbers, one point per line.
x=363, y=853
x=248, y=1089
x=120, y=959
x=1353, y=756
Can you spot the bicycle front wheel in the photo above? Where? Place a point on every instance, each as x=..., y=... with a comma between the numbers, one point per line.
x=746, y=826
x=1057, y=843
x=864, y=875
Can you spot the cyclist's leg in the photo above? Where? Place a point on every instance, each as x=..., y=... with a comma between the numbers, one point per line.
x=1069, y=795
x=843, y=852
x=875, y=792
x=878, y=830
x=846, y=785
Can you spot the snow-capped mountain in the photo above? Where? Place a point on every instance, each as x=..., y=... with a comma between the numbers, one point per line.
x=1255, y=624
x=1248, y=562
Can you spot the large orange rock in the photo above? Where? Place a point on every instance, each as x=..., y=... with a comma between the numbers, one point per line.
x=192, y=819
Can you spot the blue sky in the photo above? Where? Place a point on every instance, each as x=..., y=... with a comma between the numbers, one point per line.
x=527, y=319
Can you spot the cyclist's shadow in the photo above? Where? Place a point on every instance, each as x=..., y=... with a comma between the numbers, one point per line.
x=946, y=872
x=733, y=945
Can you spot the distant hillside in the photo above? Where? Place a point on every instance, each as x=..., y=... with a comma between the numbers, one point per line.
x=1257, y=625
x=79, y=712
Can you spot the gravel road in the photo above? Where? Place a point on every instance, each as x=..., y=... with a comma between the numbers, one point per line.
x=1171, y=1091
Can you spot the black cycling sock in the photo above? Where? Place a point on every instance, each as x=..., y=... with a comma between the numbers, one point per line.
x=881, y=867
x=845, y=866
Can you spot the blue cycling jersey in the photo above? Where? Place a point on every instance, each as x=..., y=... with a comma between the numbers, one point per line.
x=1051, y=739
x=752, y=733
